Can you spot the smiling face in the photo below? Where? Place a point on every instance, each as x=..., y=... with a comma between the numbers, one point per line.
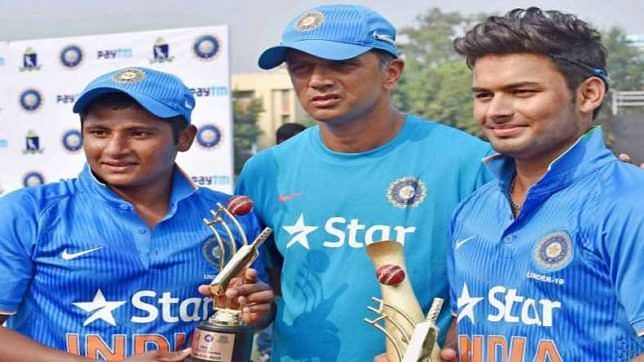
x=525, y=108
x=129, y=148
x=338, y=91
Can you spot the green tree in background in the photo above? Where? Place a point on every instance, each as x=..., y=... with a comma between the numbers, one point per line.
x=626, y=69
x=245, y=114
x=436, y=82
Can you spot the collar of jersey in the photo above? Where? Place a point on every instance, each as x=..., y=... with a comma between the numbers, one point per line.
x=354, y=158
x=586, y=155
x=182, y=188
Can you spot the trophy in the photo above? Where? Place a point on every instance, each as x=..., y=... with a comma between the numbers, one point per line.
x=224, y=337
x=410, y=335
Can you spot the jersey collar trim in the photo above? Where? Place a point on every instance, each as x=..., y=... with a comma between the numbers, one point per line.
x=586, y=155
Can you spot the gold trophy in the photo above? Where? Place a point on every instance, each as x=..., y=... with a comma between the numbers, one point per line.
x=411, y=336
x=224, y=337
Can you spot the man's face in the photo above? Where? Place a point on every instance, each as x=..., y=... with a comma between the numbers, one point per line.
x=337, y=91
x=524, y=107
x=129, y=147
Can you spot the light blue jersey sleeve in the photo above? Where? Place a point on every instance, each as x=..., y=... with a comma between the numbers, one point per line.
x=622, y=248
x=255, y=181
x=18, y=233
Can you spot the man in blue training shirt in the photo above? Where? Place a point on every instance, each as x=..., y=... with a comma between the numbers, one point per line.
x=366, y=172
x=546, y=261
x=107, y=265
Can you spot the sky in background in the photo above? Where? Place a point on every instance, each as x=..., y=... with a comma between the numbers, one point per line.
x=257, y=24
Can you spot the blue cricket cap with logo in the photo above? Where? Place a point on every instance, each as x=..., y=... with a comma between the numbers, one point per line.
x=333, y=32
x=162, y=94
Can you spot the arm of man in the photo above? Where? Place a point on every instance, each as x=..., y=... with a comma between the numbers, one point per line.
x=622, y=232
x=16, y=347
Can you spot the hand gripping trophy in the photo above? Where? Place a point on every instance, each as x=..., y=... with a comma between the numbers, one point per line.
x=410, y=335
x=224, y=337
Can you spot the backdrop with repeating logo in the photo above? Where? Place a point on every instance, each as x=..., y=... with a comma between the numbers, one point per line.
x=40, y=139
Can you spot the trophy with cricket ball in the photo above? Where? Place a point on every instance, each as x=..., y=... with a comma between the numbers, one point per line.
x=411, y=336
x=224, y=337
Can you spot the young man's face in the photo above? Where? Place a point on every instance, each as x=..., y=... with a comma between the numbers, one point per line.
x=524, y=107
x=332, y=91
x=129, y=147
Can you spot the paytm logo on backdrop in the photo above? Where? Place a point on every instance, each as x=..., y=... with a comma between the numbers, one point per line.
x=114, y=53
x=211, y=180
x=214, y=91
x=66, y=98
x=1, y=62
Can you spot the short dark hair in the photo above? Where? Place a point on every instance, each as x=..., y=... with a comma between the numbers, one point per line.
x=119, y=100
x=287, y=130
x=383, y=57
x=573, y=45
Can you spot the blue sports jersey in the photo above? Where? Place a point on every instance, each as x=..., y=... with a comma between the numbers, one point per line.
x=561, y=282
x=325, y=206
x=80, y=271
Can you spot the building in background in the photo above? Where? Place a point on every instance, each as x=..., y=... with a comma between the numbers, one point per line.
x=278, y=99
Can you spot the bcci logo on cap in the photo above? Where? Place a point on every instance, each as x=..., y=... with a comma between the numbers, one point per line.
x=71, y=56
x=406, y=192
x=32, y=144
x=33, y=178
x=208, y=136
x=72, y=140
x=29, y=61
x=161, y=52
x=206, y=47
x=30, y=100
x=309, y=21
x=554, y=252
x=132, y=75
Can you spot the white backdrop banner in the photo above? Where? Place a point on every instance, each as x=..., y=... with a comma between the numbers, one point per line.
x=40, y=139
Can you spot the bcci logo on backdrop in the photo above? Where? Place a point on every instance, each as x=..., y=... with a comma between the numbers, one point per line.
x=71, y=56
x=32, y=144
x=208, y=136
x=206, y=47
x=161, y=52
x=30, y=99
x=33, y=178
x=29, y=61
x=72, y=140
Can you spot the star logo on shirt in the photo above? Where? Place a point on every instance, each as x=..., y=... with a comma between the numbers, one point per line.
x=301, y=232
x=101, y=309
x=467, y=303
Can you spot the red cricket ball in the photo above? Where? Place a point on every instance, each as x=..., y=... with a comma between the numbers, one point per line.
x=390, y=274
x=239, y=205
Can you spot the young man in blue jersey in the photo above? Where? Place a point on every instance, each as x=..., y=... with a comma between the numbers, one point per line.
x=366, y=172
x=107, y=265
x=546, y=261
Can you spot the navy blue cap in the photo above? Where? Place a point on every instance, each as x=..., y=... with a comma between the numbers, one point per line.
x=162, y=94
x=333, y=32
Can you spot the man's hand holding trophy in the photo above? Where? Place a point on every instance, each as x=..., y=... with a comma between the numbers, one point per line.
x=242, y=302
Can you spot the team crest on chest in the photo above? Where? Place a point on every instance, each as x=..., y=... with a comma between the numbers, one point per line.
x=405, y=192
x=554, y=251
x=211, y=251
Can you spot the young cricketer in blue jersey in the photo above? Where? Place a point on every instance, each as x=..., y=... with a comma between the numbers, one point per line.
x=366, y=173
x=107, y=265
x=546, y=261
